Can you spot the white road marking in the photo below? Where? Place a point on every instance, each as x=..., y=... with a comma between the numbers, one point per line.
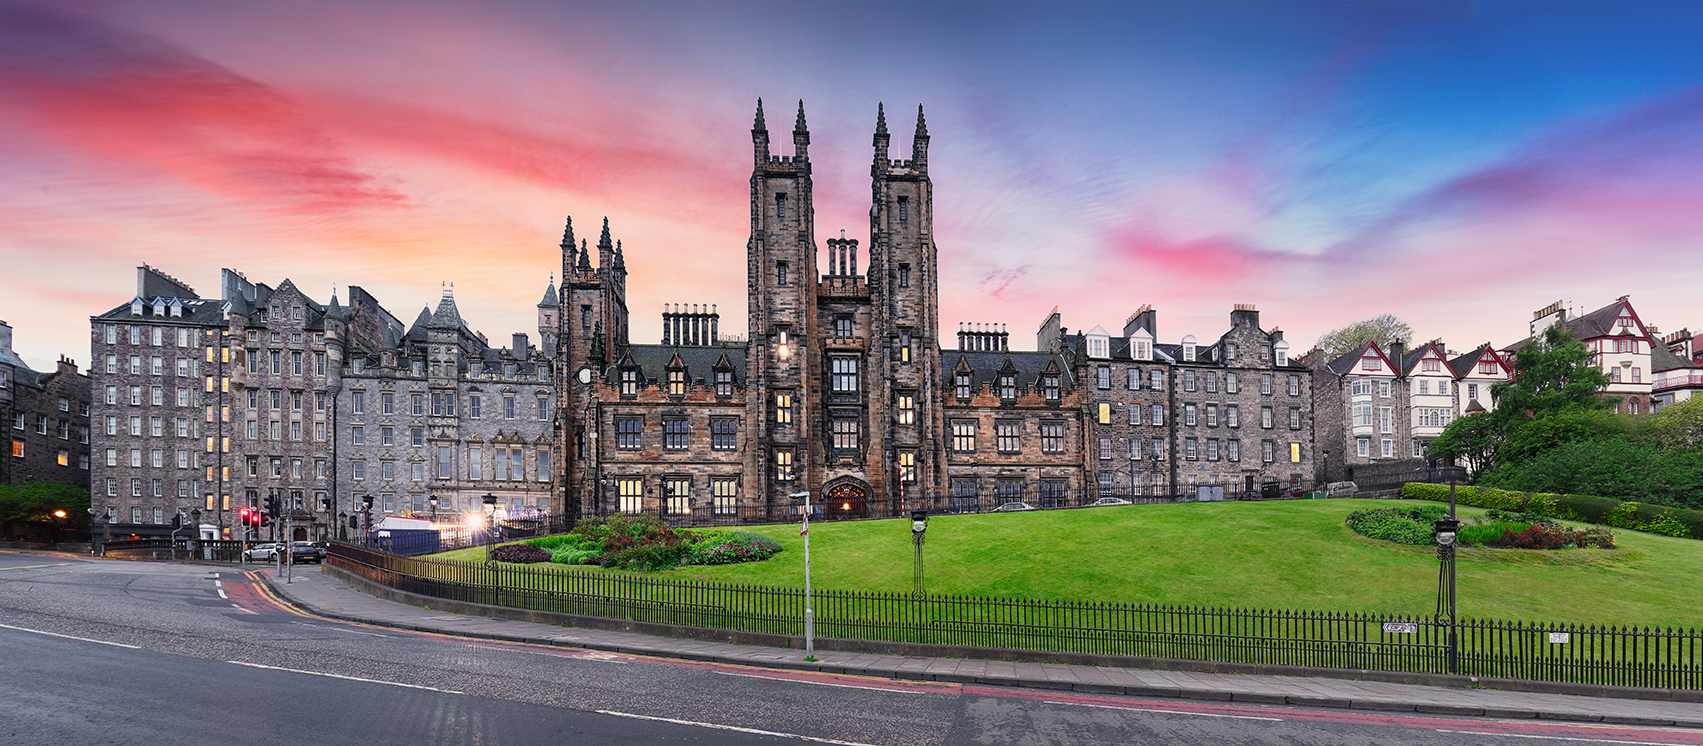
x=594, y=657
x=70, y=637
x=825, y=683
x=239, y=607
x=339, y=629
x=1560, y=738
x=222, y=594
x=35, y=567
x=735, y=728
x=346, y=678
x=1167, y=712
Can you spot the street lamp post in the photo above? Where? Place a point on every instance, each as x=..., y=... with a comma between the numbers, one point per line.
x=809, y=614
x=434, y=501
x=491, y=527
x=367, y=513
x=1446, y=530
x=919, y=526
x=106, y=532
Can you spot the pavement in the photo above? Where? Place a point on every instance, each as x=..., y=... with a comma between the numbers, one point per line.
x=326, y=595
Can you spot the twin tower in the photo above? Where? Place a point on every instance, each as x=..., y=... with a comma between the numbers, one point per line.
x=836, y=391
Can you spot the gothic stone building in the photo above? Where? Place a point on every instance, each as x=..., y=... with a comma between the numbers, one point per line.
x=837, y=388
x=49, y=418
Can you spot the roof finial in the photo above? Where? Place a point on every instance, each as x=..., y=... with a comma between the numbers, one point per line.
x=798, y=126
x=759, y=126
x=881, y=118
x=568, y=235
x=922, y=125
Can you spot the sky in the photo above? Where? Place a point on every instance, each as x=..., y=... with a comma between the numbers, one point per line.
x=1459, y=165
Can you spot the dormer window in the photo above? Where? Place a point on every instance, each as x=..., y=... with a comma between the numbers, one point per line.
x=1049, y=387
x=1371, y=363
x=1189, y=349
x=724, y=383
x=677, y=382
x=629, y=382
x=1281, y=350
x=136, y=307
x=961, y=384
x=159, y=307
x=1007, y=386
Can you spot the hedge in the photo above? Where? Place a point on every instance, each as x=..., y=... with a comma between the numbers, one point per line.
x=1602, y=511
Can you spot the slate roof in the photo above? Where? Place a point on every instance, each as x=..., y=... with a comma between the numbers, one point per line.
x=1663, y=359
x=1463, y=364
x=1342, y=366
x=1598, y=323
x=653, y=360
x=985, y=366
x=550, y=295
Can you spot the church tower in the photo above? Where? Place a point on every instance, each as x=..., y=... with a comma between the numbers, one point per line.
x=781, y=368
x=590, y=328
x=904, y=300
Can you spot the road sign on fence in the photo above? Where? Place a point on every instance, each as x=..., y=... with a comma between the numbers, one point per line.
x=1405, y=628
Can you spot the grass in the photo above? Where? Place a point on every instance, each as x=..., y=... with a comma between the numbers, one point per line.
x=1273, y=555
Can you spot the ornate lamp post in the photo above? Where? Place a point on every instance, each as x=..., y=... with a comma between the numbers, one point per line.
x=367, y=511
x=491, y=527
x=919, y=526
x=809, y=614
x=1445, y=531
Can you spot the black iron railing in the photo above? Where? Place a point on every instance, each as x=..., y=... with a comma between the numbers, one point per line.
x=1619, y=656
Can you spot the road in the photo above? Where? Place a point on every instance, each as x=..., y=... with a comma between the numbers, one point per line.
x=98, y=652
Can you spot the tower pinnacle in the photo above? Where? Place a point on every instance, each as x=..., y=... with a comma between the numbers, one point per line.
x=759, y=125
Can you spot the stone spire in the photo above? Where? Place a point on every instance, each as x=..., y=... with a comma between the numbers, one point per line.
x=759, y=125
x=881, y=119
x=568, y=236
x=798, y=126
x=919, y=145
x=800, y=136
x=881, y=140
x=605, y=248
x=760, y=138
x=584, y=256
x=620, y=263
x=922, y=124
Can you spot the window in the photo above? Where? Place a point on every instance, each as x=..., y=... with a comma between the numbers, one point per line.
x=1211, y=449
x=908, y=466
x=1294, y=418
x=964, y=496
x=475, y=467
x=1362, y=447
x=1387, y=447
x=961, y=384
x=1268, y=451
x=907, y=409
x=723, y=383
x=1132, y=378
x=1294, y=385
x=724, y=433
x=780, y=274
x=1386, y=420
x=1362, y=415
x=1104, y=413
x=1104, y=448
x=1211, y=381
x=473, y=405
x=508, y=408
x=1265, y=383
x=1135, y=449
x=783, y=409
x=845, y=433
x=387, y=436
x=1158, y=449
x=1156, y=414
x=1008, y=491
x=1007, y=386
x=417, y=404
x=1052, y=437
x=1265, y=417
x=904, y=209
x=904, y=275
x=630, y=492
x=1294, y=452
x=359, y=469
x=1487, y=366
x=1383, y=389
x=676, y=434
x=1189, y=415
x=1050, y=387
x=1103, y=376
x=1135, y=414
x=677, y=382
x=843, y=326
x=629, y=433
x=783, y=465
x=845, y=374
x=1212, y=415
x=724, y=496
x=963, y=436
x=1189, y=449
x=1007, y=437
x=417, y=437
x=1233, y=449
x=1371, y=363
x=388, y=402
x=1188, y=380
x=500, y=460
x=357, y=434
x=1156, y=380
x=677, y=495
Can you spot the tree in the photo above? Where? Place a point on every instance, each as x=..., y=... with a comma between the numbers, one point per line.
x=1382, y=329
x=1677, y=426
x=37, y=501
x=1553, y=399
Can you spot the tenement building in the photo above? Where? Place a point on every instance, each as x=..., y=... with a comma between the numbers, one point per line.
x=266, y=394
x=49, y=418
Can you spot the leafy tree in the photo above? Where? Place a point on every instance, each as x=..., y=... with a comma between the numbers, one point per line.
x=1382, y=329
x=37, y=501
x=1552, y=399
x=1609, y=467
x=1676, y=426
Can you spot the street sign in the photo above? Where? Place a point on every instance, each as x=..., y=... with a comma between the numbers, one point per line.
x=1404, y=628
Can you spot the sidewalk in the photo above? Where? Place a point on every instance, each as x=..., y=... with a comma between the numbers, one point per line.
x=329, y=597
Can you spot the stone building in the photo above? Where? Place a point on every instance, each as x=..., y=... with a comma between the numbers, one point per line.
x=837, y=389
x=1199, y=420
x=49, y=418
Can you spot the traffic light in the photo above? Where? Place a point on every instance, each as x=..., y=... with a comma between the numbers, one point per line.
x=272, y=506
x=263, y=520
x=247, y=516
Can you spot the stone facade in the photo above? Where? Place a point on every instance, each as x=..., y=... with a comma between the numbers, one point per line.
x=48, y=415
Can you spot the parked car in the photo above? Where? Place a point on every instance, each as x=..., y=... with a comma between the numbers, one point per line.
x=1010, y=507
x=261, y=553
x=1108, y=501
x=305, y=551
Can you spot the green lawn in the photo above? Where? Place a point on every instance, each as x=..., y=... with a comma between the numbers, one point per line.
x=1273, y=555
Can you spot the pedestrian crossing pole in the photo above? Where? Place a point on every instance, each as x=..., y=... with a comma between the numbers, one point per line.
x=809, y=615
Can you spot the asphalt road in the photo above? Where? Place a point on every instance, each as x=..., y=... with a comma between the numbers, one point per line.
x=97, y=652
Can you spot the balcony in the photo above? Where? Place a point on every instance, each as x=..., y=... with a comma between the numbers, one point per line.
x=1679, y=380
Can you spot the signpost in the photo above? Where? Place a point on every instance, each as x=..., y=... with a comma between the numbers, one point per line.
x=809, y=616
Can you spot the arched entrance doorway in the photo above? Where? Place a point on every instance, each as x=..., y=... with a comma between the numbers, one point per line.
x=299, y=534
x=847, y=500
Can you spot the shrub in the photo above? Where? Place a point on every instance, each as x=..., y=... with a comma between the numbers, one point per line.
x=520, y=553
x=1665, y=525
x=574, y=555
x=1399, y=525
x=734, y=548
x=1623, y=515
x=553, y=542
x=1489, y=534
x=1582, y=508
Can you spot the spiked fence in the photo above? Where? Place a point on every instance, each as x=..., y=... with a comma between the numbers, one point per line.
x=1618, y=656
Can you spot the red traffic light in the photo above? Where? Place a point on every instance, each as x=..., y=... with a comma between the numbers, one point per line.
x=245, y=516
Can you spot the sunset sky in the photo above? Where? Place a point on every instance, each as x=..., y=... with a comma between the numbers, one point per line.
x=1457, y=164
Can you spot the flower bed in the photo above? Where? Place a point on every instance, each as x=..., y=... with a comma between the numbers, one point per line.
x=645, y=543
x=1497, y=529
